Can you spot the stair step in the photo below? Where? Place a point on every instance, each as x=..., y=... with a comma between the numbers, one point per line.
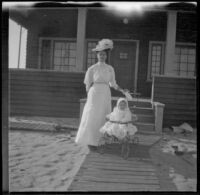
x=146, y=118
x=142, y=110
x=140, y=104
x=145, y=126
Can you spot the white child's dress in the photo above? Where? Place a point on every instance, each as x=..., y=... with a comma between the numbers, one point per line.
x=117, y=129
x=98, y=103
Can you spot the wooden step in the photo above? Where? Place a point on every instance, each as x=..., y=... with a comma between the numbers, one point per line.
x=142, y=110
x=146, y=118
x=145, y=126
x=140, y=104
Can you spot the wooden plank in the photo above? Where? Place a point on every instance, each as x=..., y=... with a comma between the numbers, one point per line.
x=118, y=163
x=53, y=88
x=89, y=188
x=161, y=90
x=173, y=101
x=51, y=91
x=50, y=106
x=45, y=109
x=108, y=164
x=173, y=86
x=116, y=174
x=43, y=73
x=174, y=80
x=45, y=84
x=117, y=180
x=113, y=157
x=43, y=113
x=38, y=72
x=181, y=97
x=45, y=81
x=181, y=114
x=179, y=107
x=30, y=112
x=182, y=118
x=45, y=100
x=90, y=166
x=104, y=185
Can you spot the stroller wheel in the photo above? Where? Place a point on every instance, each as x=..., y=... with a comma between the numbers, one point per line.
x=122, y=149
x=126, y=150
x=101, y=149
x=136, y=140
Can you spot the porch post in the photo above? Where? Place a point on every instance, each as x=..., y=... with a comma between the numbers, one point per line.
x=81, y=27
x=159, y=111
x=170, y=42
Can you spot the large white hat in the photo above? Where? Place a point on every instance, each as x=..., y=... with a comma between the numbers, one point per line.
x=103, y=45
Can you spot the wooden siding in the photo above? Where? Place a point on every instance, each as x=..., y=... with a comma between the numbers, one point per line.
x=101, y=23
x=179, y=97
x=48, y=23
x=45, y=93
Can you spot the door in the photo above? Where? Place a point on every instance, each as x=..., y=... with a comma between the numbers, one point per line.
x=122, y=58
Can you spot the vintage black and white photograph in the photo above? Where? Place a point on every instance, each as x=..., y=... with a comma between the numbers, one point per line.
x=102, y=96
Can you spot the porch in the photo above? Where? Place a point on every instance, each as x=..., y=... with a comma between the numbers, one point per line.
x=59, y=94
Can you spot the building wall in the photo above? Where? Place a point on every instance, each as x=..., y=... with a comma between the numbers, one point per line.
x=45, y=93
x=49, y=23
x=186, y=27
x=179, y=97
x=148, y=27
x=151, y=26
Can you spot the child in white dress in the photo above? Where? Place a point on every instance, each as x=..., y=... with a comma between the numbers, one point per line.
x=119, y=122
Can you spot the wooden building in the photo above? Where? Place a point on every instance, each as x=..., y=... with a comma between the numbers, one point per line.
x=154, y=54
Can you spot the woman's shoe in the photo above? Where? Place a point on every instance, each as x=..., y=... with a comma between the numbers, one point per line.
x=92, y=148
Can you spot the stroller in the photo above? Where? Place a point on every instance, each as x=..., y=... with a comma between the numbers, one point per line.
x=125, y=143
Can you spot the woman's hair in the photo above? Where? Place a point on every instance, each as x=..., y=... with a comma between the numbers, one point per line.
x=106, y=50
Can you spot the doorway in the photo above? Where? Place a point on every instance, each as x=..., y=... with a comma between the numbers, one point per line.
x=123, y=60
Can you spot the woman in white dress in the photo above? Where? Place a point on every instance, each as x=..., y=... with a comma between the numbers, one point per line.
x=98, y=80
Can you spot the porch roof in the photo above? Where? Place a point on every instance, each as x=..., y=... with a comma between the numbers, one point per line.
x=23, y=15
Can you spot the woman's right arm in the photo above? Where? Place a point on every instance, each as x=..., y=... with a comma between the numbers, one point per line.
x=88, y=79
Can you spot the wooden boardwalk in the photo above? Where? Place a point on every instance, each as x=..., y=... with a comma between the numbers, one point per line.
x=110, y=172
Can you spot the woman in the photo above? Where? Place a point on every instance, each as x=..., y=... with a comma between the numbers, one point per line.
x=98, y=80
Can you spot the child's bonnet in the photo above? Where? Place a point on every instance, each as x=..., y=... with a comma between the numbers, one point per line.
x=120, y=115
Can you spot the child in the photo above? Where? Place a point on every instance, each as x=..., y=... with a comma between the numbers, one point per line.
x=119, y=122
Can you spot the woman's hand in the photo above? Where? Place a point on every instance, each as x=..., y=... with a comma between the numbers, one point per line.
x=134, y=118
x=118, y=88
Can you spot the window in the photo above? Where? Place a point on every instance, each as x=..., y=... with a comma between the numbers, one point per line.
x=156, y=60
x=58, y=55
x=184, y=64
x=123, y=56
x=91, y=56
x=185, y=61
x=64, y=56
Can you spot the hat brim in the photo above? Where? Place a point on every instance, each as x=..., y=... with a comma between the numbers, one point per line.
x=101, y=49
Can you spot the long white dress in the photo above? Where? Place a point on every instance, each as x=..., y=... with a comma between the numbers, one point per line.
x=98, y=103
